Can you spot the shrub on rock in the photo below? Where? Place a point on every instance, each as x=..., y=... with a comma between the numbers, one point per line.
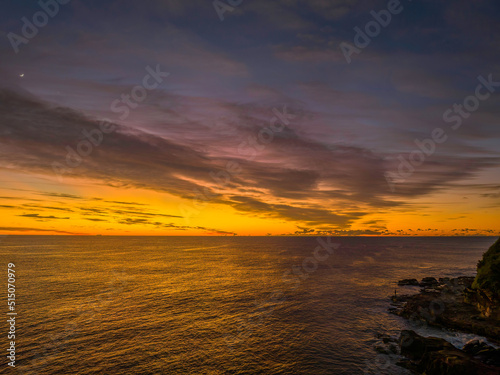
x=488, y=270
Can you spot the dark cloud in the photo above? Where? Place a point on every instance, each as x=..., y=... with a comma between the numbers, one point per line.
x=299, y=173
x=311, y=216
x=38, y=216
x=130, y=221
x=303, y=231
x=27, y=229
x=142, y=213
x=60, y=195
x=126, y=203
x=93, y=211
x=25, y=199
x=40, y=207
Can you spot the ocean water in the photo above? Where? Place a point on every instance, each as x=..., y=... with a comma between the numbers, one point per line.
x=216, y=305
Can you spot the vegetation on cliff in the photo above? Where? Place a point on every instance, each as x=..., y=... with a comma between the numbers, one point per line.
x=488, y=270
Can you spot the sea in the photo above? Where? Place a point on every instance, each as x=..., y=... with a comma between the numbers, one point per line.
x=216, y=305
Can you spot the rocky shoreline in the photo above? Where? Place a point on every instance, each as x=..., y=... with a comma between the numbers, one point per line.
x=452, y=304
x=436, y=356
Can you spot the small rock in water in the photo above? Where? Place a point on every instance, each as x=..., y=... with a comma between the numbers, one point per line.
x=404, y=282
x=429, y=281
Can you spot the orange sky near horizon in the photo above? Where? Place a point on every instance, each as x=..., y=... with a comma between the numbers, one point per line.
x=38, y=204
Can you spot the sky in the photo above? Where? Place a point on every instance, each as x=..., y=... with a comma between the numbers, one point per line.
x=284, y=117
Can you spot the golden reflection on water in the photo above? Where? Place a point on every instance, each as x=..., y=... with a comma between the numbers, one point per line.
x=180, y=305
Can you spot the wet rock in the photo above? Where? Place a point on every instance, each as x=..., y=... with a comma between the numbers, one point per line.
x=483, y=352
x=451, y=308
x=484, y=301
x=435, y=356
x=468, y=304
x=465, y=280
x=415, y=346
x=404, y=282
x=382, y=349
x=387, y=345
x=429, y=281
x=386, y=339
x=407, y=364
x=475, y=346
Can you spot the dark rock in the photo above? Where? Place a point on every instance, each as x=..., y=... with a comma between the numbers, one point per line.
x=479, y=317
x=465, y=280
x=415, y=346
x=468, y=304
x=413, y=282
x=490, y=356
x=382, y=349
x=455, y=285
x=453, y=308
x=475, y=346
x=432, y=289
x=407, y=364
x=394, y=348
x=451, y=362
x=435, y=356
x=386, y=339
x=428, y=281
x=484, y=352
x=484, y=300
